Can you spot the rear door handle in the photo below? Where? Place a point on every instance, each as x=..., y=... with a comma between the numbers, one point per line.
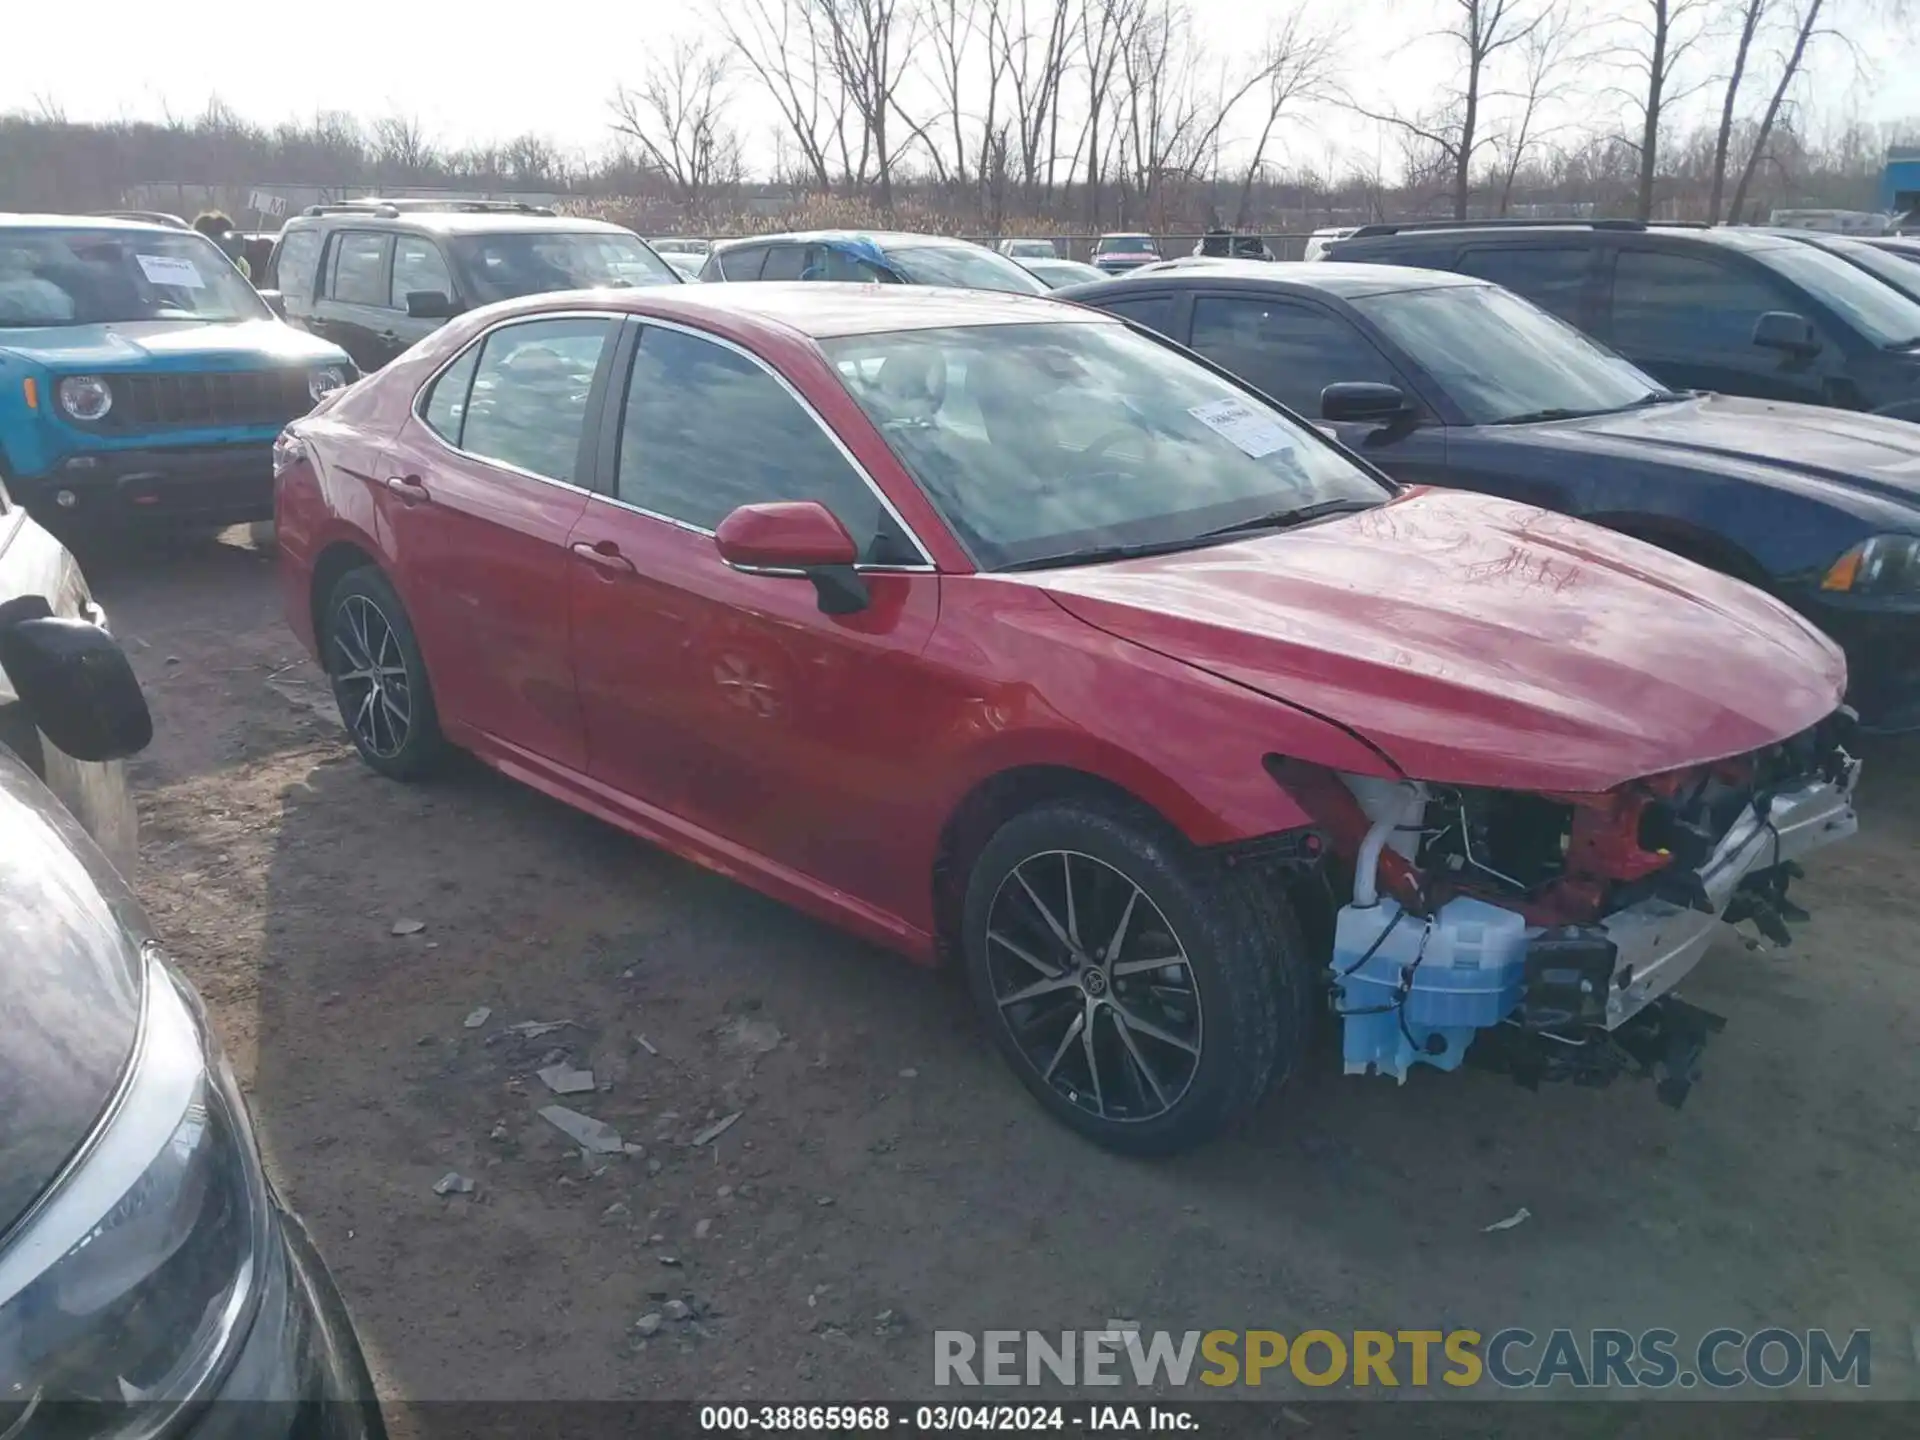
x=603, y=553
x=410, y=489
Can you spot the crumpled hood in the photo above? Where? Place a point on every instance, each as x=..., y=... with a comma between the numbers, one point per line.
x=70, y=987
x=1798, y=444
x=170, y=344
x=1475, y=641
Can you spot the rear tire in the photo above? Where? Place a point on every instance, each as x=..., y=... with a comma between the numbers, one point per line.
x=1139, y=1057
x=379, y=677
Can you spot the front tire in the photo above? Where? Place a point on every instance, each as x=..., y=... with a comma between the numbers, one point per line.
x=1148, y=995
x=379, y=677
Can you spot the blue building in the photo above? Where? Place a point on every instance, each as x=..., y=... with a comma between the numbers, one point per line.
x=1900, y=181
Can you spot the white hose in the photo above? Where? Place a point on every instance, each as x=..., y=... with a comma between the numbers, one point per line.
x=1366, y=868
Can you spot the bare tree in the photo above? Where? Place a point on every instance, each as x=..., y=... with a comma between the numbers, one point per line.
x=1806, y=23
x=1666, y=31
x=952, y=26
x=1545, y=56
x=1106, y=30
x=869, y=43
x=1751, y=13
x=401, y=150
x=1295, y=66
x=1482, y=30
x=675, y=119
x=1033, y=56
x=780, y=44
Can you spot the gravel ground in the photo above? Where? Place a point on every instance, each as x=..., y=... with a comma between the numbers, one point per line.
x=885, y=1175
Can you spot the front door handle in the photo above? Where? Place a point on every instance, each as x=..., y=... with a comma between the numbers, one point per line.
x=603, y=553
x=409, y=489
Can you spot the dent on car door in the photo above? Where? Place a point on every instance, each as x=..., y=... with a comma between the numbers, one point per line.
x=1688, y=320
x=1293, y=350
x=727, y=699
x=482, y=492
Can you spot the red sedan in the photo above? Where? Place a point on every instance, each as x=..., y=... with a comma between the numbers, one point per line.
x=993, y=628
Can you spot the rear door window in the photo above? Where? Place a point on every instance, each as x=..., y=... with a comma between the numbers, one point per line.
x=528, y=404
x=744, y=263
x=1289, y=350
x=360, y=268
x=1153, y=311
x=786, y=262
x=1554, y=277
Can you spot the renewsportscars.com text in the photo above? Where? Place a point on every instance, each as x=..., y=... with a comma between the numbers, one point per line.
x=1724, y=1359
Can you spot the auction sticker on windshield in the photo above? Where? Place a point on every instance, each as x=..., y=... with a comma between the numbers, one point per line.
x=1243, y=426
x=170, y=270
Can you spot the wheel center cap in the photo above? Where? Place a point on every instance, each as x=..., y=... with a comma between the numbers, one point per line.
x=1094, y=981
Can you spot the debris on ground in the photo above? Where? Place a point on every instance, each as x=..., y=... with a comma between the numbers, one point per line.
x=453, y=1183
x=618, y=1210
x=528, y=1030
x=677, y=1310
x=646, y=1045
x=748, y=1036
x=648, y=1324
x=824, y=1201
x=476, y=1017
x=408, y=927
x=1518, y=1217
x=562, y=1079
x=702, y=1229
x=716, y=1130
x=594, y=1136
x=909, y=1074
x=633, y=1149
x=673, y=1260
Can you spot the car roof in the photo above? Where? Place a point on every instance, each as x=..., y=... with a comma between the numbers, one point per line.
x=1334, y=277
x=854, y=239
x=10, y=221
x=816, y=310
x=461, y=222
x=1729, y=237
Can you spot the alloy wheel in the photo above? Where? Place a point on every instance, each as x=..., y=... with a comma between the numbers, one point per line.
x=1093, y=985
x=370, y=678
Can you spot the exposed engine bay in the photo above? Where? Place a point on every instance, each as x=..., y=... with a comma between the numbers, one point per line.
x=1552, y=928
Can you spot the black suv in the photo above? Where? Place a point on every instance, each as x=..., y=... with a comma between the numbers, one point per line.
x=377, y=276
x=1730, y=310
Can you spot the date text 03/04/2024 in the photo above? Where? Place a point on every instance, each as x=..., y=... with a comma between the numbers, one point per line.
x=880, y=1418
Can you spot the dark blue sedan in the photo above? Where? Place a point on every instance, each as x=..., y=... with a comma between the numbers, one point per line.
x=1442, y=379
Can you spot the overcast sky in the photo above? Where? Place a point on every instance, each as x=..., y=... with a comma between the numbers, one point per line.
x=475, y=72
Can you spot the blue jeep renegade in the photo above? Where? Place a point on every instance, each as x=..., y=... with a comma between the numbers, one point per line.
x=141, y=375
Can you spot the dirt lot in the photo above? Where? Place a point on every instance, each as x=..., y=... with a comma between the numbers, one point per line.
x=887, y=1176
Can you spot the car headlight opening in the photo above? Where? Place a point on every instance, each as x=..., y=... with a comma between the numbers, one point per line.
x=138, y=1274
x=327, y=379
x=85, y=397
x=1884, y=565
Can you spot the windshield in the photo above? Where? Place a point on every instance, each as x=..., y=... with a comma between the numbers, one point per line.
x=1125, y=245
x=1036, y=441
x=1902, y=275
x=507, y=264
x=966, y=267
x=96, y=277
x=1882, y=314
x=1502, y=358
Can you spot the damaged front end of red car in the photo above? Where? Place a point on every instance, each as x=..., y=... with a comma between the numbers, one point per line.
x=1546, y=932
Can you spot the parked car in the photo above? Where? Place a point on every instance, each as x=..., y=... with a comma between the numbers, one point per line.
x=1029, y=249
x=1885, y=266
x=1699, y=309
x=1116, y=254
x=141, y=377
x=668, y=245
x=147, y=1267
x=375, y=276
x=993, y=628
x=1227, y=246
x=1907, y=247
x=870, y=257
x=1440, y=379
x=1317, y=242
x=1055, y=273
x=686, y=263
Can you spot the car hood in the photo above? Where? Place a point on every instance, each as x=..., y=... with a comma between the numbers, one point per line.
x=1475, y=641
x=1808, y=446
x=170, y=344
x=70, y=987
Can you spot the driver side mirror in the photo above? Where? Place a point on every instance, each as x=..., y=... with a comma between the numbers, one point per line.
x=1787, y=332
x=1363, y=400
x=430, y=305
x=77, y=686
x=799, y=538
